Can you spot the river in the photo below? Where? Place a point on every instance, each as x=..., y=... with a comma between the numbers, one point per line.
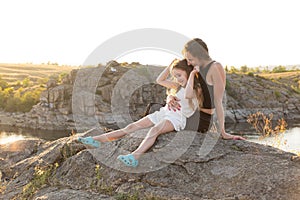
x=288, y=141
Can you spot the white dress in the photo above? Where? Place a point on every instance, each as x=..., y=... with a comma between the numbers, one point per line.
x=178, y=118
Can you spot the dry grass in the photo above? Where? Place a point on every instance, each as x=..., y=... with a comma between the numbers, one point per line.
x=17, y=72
x=290, y=79
x=263, y=124
x=287, y=78
x=282, y=74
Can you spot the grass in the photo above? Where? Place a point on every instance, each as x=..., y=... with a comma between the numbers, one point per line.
x=17, y=72
x=41, y=176
x=125, y=196
x=263, y=124
x=289, y=78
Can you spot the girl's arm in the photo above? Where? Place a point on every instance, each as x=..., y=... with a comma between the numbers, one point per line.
x=162, y=78
x=189, y=91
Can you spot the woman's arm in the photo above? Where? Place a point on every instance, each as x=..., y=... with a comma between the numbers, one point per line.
x=173, y=103
x=219, y=81
x=162, y=78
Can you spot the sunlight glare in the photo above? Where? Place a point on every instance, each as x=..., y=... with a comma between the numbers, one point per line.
x=5, y=139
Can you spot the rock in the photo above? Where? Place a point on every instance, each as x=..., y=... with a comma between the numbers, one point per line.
x=89, y=92
x=181, y=165
x=105, y=92
x=68, y=194
x=51, y=83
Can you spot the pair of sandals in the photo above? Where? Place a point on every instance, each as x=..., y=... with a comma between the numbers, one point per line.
x=129, y=160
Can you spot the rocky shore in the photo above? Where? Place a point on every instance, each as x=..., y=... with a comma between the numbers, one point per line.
x=116, y=94
x=182, y=165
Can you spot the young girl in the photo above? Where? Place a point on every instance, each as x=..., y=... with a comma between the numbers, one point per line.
x=164, y=120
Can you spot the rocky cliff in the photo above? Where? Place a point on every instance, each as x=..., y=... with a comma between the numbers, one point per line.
x=182, y=165
x=116, y=94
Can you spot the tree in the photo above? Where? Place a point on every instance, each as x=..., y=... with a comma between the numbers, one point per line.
x=233, y=69
x=13, y=104
x=226, y=68
x=244, y=68
x=279, y=69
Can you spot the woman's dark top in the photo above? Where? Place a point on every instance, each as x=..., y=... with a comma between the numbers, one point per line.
x=207, y=90
x=202, y=121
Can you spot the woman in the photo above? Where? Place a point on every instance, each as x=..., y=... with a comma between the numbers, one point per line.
x=212, y=78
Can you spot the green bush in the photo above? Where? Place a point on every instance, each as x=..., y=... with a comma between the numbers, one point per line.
x=251, y=74
x=19, y=101
x=13, y=104
x=62, y=76
x=244, y=69
x=26, y=82
x=233, y=70
x=3, y=83
x=279, y=69
x=277, y=94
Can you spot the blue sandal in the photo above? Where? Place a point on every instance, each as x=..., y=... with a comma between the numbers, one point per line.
x=128, y=160
x=89, y=141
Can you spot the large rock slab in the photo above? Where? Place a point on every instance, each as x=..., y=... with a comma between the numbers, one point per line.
x=181, y=165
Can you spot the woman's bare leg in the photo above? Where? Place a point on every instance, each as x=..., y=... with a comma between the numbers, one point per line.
x=163, y=127
x=113, y=135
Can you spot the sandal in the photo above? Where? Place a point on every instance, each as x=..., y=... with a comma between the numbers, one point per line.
x=128, y=160
x=89, y=141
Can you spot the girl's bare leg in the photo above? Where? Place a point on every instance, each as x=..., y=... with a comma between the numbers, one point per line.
x=163, y=127
x=113, y=135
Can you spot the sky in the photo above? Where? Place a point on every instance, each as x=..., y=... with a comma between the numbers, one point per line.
x=237, y=32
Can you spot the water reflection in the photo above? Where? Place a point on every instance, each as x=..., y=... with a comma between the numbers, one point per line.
x=8, y=138
x=287, y=141
x=15, y=133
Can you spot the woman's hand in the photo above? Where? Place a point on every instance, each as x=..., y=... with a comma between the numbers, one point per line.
x=173, y=103
x=195, y=71
x=227, y=136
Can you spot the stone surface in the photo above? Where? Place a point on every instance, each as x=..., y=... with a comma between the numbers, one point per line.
x=121, y=91
x=181, y=165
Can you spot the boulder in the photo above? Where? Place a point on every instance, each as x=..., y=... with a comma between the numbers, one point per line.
x=181, y=165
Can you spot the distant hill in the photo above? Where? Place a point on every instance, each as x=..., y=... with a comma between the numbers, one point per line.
x=17, y=72
x=290, y=78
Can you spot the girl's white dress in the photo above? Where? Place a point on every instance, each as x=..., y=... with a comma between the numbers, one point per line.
x=178, y=118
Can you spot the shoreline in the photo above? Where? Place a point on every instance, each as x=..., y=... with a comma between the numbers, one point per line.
x=23, y=120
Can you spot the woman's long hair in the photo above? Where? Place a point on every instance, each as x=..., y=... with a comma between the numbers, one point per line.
x=197, y=48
